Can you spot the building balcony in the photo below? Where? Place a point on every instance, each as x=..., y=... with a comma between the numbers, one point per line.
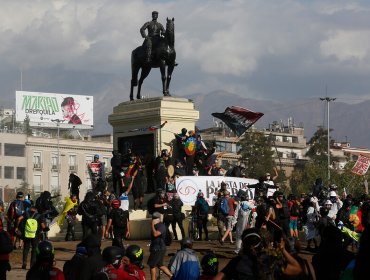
x=37, y=166
x=73, y=168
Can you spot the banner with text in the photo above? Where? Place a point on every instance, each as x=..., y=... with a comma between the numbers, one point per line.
x=48, y=109
x=361, y=166
x=189, y=186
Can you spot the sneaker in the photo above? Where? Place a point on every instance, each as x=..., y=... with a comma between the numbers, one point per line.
x=221, y=242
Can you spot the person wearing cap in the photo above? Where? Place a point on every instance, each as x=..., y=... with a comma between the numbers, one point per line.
x=155, y=31
x=157, y=247
x=185, y=263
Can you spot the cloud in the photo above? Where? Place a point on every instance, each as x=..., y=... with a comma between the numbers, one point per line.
x=266, y=49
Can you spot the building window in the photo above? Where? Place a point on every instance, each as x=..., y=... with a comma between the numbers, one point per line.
x=8, y=172
x=1, y=173
x=14, y=150
x=54, y=184
x=0, y=149
x=54, y=161
x=37, y=187
x=21, y=173
x=72, y=163
x=106, y=162
x=37, y=162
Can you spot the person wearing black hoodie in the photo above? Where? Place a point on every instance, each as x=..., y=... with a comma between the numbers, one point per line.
x=94, y=262
x=91, y=210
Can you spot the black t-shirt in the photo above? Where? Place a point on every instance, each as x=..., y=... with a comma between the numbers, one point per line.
x=158, y=243
x=119, y=218
x=159, y=200
x=243, y=267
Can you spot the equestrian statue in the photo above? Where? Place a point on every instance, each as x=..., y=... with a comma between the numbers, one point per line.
x=158, y=50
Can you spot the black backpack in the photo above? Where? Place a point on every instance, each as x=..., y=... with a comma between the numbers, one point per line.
x=6, y=245
x=120, y=218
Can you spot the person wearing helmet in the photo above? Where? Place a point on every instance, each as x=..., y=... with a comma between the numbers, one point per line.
x=120, y=220
x=133, y=263
x=44, y=268
x=209, y=265
x=112, y=257
x=185, y=263
x=96, y=170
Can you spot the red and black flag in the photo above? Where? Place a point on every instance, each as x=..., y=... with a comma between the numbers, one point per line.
x=238, y=119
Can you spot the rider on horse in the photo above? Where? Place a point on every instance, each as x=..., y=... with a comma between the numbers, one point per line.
x=155, y=30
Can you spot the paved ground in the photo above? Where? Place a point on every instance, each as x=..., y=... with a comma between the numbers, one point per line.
x=65, y=250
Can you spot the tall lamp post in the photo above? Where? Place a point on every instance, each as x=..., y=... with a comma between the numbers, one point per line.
x=328, y=100
x=57, y=121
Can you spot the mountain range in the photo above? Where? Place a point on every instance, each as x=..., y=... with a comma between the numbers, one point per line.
x=348, y=122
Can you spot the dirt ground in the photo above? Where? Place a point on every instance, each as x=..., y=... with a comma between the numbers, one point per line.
x=65, y=250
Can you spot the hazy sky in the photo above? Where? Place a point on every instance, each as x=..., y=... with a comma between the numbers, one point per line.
x=260, y=49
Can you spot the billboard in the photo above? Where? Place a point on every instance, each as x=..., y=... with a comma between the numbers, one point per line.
x=47, y=109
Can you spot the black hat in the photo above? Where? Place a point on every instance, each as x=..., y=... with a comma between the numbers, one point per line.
x=20, y=194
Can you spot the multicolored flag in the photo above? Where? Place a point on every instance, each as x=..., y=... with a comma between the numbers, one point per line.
x=361, y=166
x=238, y=119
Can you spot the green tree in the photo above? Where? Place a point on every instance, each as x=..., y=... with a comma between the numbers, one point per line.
x=26, y=126
x=257, y=154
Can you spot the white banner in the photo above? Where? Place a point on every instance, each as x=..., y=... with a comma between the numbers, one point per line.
x=41, y=108
x=188, y=187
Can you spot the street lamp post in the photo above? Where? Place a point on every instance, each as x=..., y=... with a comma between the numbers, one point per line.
x=57, y=121
x=327, y=100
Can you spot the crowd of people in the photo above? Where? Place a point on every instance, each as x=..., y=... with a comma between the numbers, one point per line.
x=265, y=230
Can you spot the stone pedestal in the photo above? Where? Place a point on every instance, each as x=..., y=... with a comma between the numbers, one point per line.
x=131, y=122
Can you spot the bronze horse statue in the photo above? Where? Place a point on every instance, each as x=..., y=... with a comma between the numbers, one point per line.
x=163, y=55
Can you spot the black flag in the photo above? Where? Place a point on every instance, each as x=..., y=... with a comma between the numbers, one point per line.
x=238, y=119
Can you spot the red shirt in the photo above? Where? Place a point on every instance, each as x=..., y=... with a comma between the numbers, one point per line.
x=231, y=202
x=133, y=272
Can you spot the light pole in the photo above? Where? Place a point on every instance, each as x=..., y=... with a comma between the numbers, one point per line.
x=57, y=121
x=327, y=100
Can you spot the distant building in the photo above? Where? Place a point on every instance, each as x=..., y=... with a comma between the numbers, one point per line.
x=288, y=140
x=33, y=160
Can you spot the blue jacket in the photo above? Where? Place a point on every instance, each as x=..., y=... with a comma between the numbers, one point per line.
x=185, y=265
